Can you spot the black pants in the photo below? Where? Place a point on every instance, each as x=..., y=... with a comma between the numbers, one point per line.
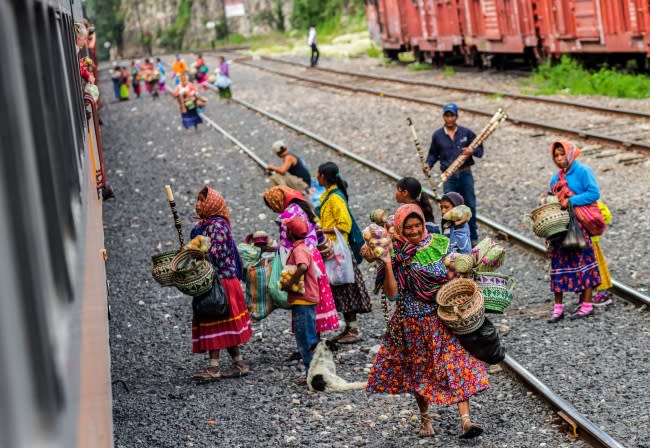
x=314, y=55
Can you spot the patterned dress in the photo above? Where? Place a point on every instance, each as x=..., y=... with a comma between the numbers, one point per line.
x=418, y=355
x=326, y=317
x=234, y=330
x=574, y=270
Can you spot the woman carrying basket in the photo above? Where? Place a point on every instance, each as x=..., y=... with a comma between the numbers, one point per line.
x=213, y=335
x=186, y=93
x=350, y=299
x=573, y=269
x=418, y=354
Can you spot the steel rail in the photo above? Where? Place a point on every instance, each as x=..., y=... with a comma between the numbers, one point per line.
x=586, y=429
x=641, y=146
x=517, y=96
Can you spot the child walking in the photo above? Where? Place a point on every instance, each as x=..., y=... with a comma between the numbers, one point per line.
x=457, y=231
x=303, y=304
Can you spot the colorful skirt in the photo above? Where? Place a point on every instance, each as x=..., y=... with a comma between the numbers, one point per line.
x=353, y=297
x=234, y=330
x=191, y=118
x=606, y=278
x=225, y=93
x=574, y=270
x=124, y=92
x=327, y=318
x=428, y=362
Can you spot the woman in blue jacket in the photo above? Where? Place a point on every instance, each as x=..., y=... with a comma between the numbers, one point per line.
x=573, y=269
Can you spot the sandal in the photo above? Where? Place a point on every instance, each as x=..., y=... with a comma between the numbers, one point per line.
x=238, y=370
x=350, y=337
x=425, y=419
x=209, y=374
x=470, y=429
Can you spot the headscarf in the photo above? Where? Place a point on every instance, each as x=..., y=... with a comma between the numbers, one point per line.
x=404, y=212
x=279, y=197
x=213, y=204
x=571, y=150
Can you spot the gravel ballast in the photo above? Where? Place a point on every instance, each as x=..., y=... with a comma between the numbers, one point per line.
x=150, y=326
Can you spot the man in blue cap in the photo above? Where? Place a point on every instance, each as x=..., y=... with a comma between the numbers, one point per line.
x=447, y=144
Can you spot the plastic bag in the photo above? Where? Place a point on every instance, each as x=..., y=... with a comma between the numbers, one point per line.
x=280, y=298
x=574, y=238
x=488, y=255
x=222, y=82
x=340, y=268
x=457, y=213
x=377, y=242
x=285, y=276
x=212, y=304
x=484, y=344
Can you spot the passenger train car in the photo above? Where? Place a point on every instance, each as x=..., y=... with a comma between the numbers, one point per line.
x=480, y=30
x=55, y=387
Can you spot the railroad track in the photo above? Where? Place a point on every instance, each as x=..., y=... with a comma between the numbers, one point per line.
x=622, y=128
x=576, y=422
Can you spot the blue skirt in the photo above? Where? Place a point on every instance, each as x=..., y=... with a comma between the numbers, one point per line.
x=191, y=118
x=574, y=270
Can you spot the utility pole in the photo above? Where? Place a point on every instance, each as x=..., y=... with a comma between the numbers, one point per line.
x=225, y=19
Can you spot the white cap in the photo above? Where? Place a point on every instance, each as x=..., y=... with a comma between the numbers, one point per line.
x=279, y=146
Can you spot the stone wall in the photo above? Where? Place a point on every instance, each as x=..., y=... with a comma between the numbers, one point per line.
x=153, y=16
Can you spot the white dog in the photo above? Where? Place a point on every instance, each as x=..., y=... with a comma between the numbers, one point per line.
x=322, y=375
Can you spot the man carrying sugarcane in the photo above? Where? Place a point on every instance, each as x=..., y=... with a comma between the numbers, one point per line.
x=447, y=143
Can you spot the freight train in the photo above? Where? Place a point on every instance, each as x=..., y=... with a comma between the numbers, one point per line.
x=55, y=388
x=491, y=31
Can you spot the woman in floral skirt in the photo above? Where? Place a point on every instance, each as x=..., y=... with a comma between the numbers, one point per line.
x=573, y=269
x=212, y=334
x=418, y=354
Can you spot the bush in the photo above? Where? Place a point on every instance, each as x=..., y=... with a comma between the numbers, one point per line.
x=419, y=66
x=571, y=77
x=374, y=52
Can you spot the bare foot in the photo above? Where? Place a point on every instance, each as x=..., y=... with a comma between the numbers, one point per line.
x=426, y=428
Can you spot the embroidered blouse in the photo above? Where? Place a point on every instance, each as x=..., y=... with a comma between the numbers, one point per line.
x=334, y=213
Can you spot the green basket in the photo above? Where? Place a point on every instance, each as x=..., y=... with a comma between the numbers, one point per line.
x=496, y=290
x=192, y=272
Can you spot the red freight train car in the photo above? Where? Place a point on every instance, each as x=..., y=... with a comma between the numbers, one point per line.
x=481, y=29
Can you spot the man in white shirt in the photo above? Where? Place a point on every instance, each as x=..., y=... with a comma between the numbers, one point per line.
x=311, y=40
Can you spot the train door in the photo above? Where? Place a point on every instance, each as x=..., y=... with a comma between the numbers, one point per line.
x=391, y=34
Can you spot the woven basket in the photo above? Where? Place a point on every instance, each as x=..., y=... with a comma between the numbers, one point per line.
x=460, y=306
x=161, y=269
x=549, y=219
x=496, y=290
x=192, y=272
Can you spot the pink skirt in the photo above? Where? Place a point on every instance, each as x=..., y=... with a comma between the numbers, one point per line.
x=327, y=318
x=234, y=330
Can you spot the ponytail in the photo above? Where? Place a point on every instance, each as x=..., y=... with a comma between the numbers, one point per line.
x=332, y=175
x=414, y=189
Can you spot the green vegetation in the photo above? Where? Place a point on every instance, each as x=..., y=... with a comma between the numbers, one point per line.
x=108, y=17
x=325, y=14
x=569, y=76
x=447, y=71
x=374, y=51
x=173, y=35
x=419, y=66
x=496, y=96
x=406, y=56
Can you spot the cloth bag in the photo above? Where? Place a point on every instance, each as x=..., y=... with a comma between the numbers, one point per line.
x=340, y=268
x=258, y=298
x=280, y=298
x=213, y=304
x=222, y=82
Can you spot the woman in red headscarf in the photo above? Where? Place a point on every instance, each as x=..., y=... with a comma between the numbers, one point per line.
x=418, y=354
x=575, y=269
x=213, y=335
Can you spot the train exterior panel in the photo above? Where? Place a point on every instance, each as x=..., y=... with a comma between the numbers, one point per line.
x=54, y=350
x=442, y=25
x=499, y=26
x=492, y=27
x=594, y=26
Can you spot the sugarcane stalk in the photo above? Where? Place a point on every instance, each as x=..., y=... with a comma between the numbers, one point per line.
x=420, y=152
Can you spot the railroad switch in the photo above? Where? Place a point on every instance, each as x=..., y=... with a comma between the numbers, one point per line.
x=571, y=425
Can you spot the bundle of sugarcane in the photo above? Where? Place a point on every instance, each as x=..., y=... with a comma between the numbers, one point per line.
x=499, y=117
